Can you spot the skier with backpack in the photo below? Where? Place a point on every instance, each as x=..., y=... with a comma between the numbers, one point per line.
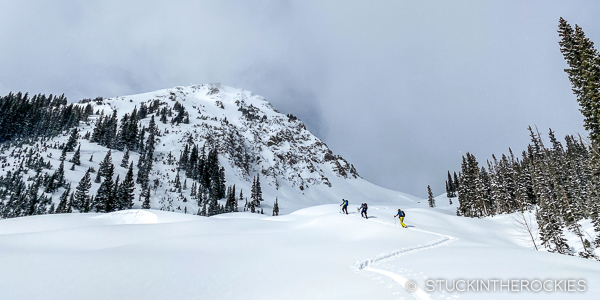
x=344, y=206
x=401, y=216
x=363, y=210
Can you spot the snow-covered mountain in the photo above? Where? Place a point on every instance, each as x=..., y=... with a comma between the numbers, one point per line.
x=310, y=251
x=251, y=137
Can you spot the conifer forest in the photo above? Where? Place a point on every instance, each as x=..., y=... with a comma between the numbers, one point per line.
x=559, y=182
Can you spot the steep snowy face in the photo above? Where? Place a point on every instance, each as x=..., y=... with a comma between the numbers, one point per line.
x=251, y=136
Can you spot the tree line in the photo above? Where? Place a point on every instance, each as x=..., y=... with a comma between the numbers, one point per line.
x=559, y=183
x=46, y=117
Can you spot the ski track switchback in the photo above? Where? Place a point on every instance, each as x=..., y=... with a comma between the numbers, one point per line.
x=407, y=284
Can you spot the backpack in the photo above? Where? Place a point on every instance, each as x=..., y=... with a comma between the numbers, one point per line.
x=402, y=214
x=365, y=205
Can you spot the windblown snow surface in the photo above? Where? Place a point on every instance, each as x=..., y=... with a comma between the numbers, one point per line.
x=312, y=253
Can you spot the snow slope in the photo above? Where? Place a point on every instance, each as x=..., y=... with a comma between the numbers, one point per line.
x=312, y=253
x=252, y=138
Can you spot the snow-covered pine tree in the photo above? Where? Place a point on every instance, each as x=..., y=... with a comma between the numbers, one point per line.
x=470, y=188
x=550, y=227
x=76, y=159
x=70, y=145
x=483, y=203
x=584, y=74
x=125, y=160
x=146, y=194
x=105, y=163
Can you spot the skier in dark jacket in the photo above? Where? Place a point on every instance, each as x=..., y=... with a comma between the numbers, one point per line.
x=401, y=215
x=344, y=206
x=363, y=210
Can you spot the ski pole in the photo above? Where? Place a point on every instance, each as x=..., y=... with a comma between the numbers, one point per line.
x=394, y=221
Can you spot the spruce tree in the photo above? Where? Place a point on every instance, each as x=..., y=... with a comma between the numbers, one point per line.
x=125, y=161
x=70, y=205
x=76, y=159
x=431, y=200
x=145, y=165
x=57, y=179
x=276, y=208
x=146, y=195
x=125, y=193
x=584, y=73
x=116, y=204
x=259, y=197
x=104, y=200
x=63, y=200
x=82, y=190
x=105, y=164
x=451, y=188
x=70, y=145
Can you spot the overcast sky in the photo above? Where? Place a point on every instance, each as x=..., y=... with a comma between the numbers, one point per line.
x=401, y=89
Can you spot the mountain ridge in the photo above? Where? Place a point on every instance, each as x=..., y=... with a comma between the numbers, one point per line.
x=252, y=138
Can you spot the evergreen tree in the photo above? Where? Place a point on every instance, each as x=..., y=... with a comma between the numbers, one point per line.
x=256, y=191
x=276, y=208
x=63, y=200
x=63, y=154
x=125, y=193
x=431, y=200
x=178, y=182
x=76, y=159
x=72, y=200
x=104, y=200
x=115, y=193
x=231, y=204
x=57, y=179
x=451, y=187
x=584, y=73
x=82, y=190
x=70, y=145
x=106, y=163
x=184, y=157
x=148, y=157
x=456, y=182
x=146, y=195
x=125, y=161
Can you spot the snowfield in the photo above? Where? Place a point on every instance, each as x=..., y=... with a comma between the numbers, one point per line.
x=312, y=253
